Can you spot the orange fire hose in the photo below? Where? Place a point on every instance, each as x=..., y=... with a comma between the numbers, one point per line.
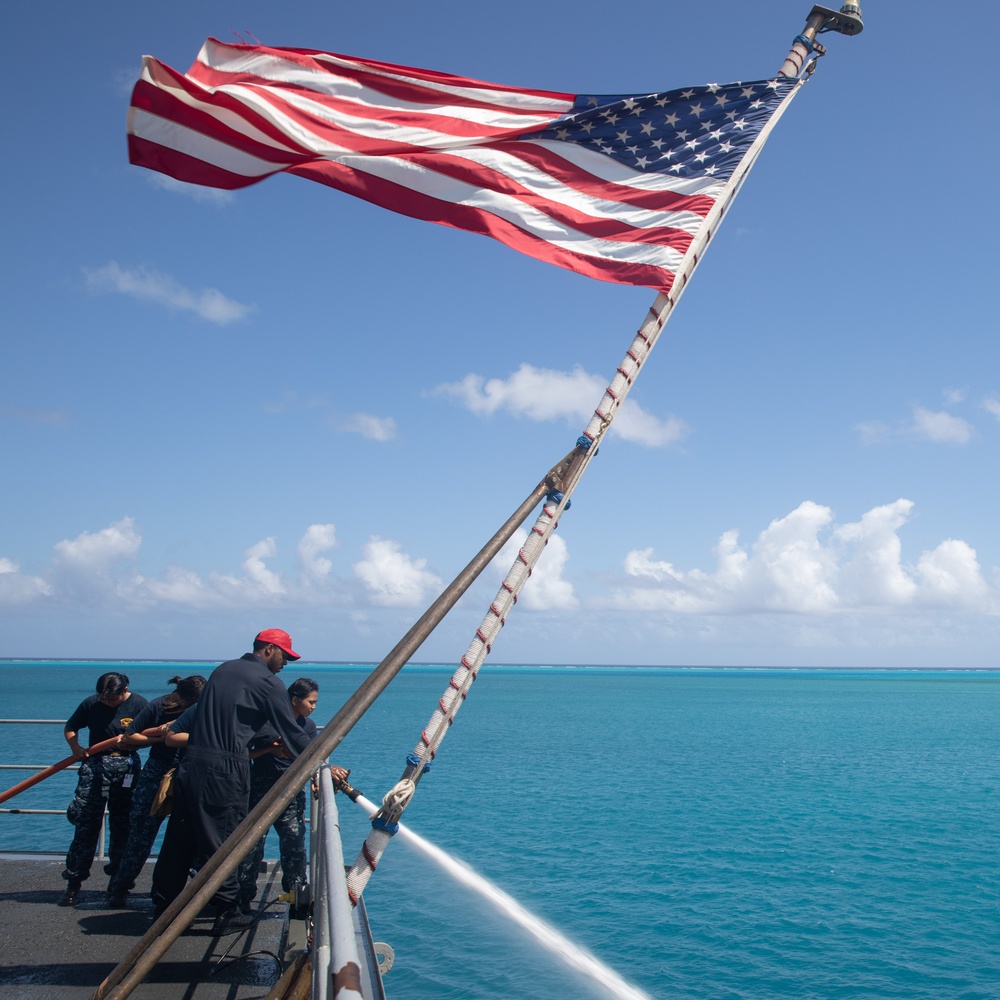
x=53, y=768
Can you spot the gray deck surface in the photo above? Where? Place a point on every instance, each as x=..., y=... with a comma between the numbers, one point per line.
x=49, y=952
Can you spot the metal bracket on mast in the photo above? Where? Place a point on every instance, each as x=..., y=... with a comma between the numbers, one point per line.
x=847, y=20
x=804, y=51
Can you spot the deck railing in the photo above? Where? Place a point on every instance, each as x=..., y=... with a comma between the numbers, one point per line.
x=34, y=769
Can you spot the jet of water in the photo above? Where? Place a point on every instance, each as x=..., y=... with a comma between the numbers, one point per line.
x=577, y=958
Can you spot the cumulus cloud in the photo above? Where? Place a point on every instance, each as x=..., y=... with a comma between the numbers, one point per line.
x=924, y=424
x=318, y=538
x=150, y=285
x=391, y=578
x=20, y=588
x=100, y=549
x=940, y=427
x=369, y=427
x=546, y=589
x=99, y=568
x=803, y=563
x=543, y=394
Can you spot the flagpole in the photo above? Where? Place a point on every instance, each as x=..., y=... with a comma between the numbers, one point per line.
x=398, y=798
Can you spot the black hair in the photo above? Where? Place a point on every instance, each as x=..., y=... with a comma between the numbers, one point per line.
x=111, y=684
x=186, y=692
x=302, y=687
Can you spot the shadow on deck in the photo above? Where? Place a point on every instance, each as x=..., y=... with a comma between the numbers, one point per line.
x=49, y=952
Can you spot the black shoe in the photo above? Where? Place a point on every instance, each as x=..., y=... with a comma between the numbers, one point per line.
x=118, y=901
x=230, y=921
x=69, y=897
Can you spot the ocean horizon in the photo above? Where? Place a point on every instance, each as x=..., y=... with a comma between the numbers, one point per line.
x=710, y=833
x=438, y=666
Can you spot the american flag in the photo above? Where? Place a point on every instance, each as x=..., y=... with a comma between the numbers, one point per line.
x=615, y=187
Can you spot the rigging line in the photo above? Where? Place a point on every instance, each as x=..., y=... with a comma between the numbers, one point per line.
x=385, y=824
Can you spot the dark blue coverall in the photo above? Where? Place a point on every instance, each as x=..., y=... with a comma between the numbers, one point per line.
x=212, y=784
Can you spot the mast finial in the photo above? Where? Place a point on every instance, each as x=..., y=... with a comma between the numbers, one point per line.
x=846, y=21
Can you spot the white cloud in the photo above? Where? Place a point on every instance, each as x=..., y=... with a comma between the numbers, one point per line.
x=99, y=549
x=19, y=588
x=257, y=573
x=153, y=286
x=369, y=427
x=197, y=192
x=940, y=427
x=873, y=432
x=951, y=577
x=871, y=572
x=992, y=406
x=545, y=590
x=392, y=578
x=954, y=396
x=804, y=564
x=542, y=394
x=318, y=538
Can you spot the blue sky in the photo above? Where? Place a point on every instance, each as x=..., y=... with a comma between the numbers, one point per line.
x=283, y=407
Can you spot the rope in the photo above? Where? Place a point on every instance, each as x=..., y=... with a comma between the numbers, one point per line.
x=385, y=822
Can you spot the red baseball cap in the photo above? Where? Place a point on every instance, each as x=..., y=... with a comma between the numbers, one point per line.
x=278, y=638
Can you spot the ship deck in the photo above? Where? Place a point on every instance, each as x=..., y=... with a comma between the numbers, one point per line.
x=49, y=952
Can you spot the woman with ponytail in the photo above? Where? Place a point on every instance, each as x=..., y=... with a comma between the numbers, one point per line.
x=149, y=729
x=105, y=778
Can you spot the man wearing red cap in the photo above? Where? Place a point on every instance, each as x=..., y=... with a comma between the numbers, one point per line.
x=212, y=783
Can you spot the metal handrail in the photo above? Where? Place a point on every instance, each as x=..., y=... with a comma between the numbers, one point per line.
x=34, y=722
x=101, y=840
x=336, y=966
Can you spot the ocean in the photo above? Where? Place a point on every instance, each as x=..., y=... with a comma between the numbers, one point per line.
x=707, y=834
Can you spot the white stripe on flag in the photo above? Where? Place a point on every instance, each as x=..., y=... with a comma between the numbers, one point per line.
x=415, y=177
x=198, y=145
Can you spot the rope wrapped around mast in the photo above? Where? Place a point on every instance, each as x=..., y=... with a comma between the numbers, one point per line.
x=385, y=822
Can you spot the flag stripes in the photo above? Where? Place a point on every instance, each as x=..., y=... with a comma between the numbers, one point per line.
x=614, y=188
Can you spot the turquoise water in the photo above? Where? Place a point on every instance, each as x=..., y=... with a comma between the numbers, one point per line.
x=707, y=834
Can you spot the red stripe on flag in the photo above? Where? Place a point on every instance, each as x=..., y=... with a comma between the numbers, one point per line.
x=182, y=167
x=419, y=206
x=439, y=86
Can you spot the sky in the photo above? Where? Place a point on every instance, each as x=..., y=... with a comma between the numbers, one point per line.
x=284, y=407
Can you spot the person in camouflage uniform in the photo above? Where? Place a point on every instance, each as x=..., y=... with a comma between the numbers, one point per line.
x=104, y=779
x=149, y=728
x=270, y=760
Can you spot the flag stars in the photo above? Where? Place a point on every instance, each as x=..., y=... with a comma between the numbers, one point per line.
x=699, y=132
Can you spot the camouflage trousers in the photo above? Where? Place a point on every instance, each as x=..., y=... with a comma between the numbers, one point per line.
x=143, y=828
x=291, y=829
x=101, y=782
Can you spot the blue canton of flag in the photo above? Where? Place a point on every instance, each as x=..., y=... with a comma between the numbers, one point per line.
x=695, y=132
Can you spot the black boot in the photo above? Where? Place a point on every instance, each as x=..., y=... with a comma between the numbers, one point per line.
x=231, y=920
x=70, y=895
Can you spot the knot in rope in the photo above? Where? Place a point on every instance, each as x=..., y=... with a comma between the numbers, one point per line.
x=398, y=797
